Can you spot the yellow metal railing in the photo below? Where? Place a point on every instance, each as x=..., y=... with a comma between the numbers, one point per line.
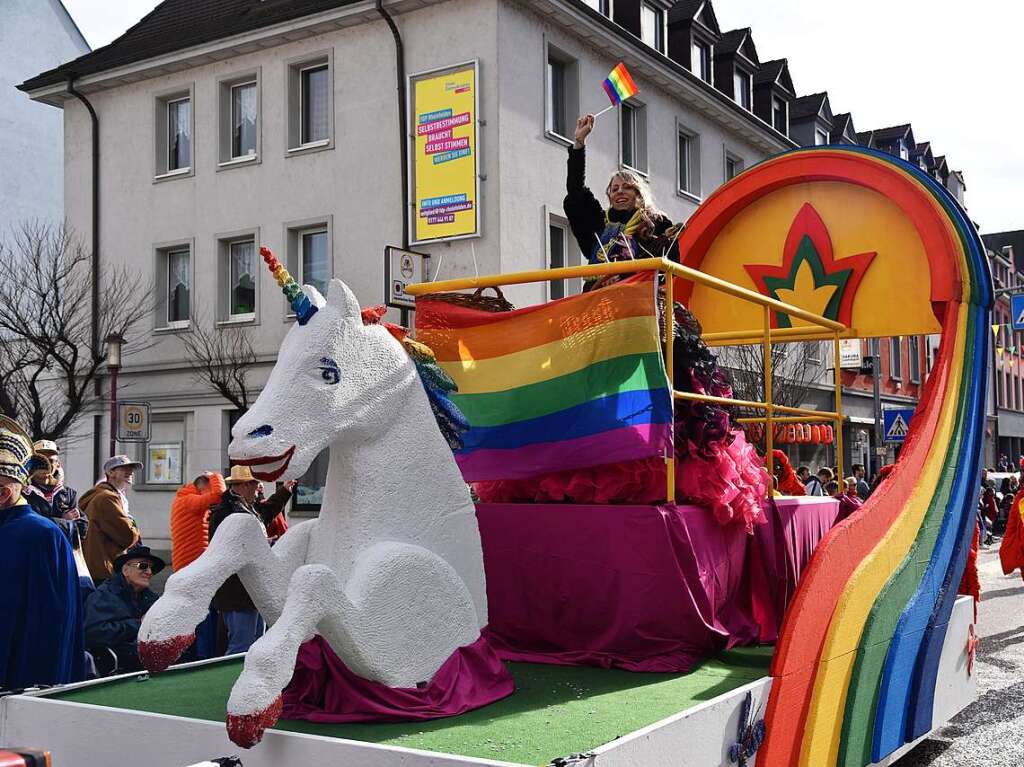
x=825, y=329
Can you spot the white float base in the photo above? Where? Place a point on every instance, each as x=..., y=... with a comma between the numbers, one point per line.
x=83, y=735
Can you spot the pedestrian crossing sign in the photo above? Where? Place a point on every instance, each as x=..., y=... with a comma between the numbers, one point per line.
x=896, y=423
x=1017, y=311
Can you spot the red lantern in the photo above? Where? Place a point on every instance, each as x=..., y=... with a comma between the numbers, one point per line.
x=791, y=433
x=816, y=434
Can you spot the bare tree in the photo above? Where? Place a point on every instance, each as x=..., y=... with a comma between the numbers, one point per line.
x=222, y=360
x=48, y=367
x=795, y=368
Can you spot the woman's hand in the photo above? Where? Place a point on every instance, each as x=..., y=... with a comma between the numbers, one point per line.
x=584, y=125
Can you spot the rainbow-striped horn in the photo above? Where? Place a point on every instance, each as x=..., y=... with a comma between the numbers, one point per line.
x=300, y=303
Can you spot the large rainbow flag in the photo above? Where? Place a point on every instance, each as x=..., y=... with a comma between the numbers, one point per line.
x=572, y=383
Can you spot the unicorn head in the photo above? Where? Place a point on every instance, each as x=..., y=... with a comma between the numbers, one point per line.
x=340, y=372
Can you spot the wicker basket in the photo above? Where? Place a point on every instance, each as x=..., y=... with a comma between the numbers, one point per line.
x=474, y=300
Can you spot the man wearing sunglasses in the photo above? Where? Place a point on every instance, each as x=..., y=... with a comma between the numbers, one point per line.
x=113, y=613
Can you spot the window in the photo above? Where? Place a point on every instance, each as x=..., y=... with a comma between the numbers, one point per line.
x=243, y=120
x=173, y=285
x=562, y=251
x=561, y=94
x=688, y=161
x=915, y=359
x=309, y=491
x=779, y=121
x=820, y=137
x=601, y=6
x=633, y=136
x=310, y=103
x=700, y=60
x=175, y=126
x=652, y=26
x=733, y=165
x=313, y=260
x=239, y=119
x=241, y=279
x=902, y=150
x=741, y=88
x=895, y=363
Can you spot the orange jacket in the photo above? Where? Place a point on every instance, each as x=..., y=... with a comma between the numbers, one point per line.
x=190, y=530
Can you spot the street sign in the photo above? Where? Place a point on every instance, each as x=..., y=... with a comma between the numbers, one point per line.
x=133, y=422
x=401, y=269
x=849, y=353
x=1017, y=311
x=896, y=423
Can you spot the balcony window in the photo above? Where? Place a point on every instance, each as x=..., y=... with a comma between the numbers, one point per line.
x=700, y=60
x=741, y=87
x=652, y=26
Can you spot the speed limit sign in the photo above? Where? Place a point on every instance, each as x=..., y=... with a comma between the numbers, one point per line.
x=133, y=422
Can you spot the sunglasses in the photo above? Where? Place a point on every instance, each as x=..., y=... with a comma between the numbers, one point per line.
x=142, y=567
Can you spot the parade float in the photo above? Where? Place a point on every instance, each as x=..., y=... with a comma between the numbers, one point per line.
x=409, y=627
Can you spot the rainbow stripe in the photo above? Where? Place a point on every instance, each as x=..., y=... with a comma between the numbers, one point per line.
x=619, y=85
x=573, y=383
x=854, y=682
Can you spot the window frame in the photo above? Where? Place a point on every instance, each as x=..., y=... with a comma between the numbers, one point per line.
x=224, y=242
x=895, y=360
x=639, y=132
x=294, y=69
x=140, y=450
x=730, y=156
x=707, y=57
x=914, y=359
x=226, y=85
x=739, y=74
x=161, y=132
x=660, y=31
x=692, y=189
x=571, y=103
x=785, y=114
x=161, y=261
x=293, y=231
x=304, y=73
x=571, y=255
x=820, y=133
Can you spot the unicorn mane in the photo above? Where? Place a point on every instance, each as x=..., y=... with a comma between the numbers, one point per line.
x=438, y=385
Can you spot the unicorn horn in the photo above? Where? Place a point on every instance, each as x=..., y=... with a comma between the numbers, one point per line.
x=299, y=301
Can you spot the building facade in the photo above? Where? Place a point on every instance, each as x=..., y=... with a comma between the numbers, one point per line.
x=223, y=134
x=34, y=35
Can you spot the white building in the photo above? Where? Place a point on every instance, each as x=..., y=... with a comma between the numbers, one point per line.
x=34, y=35
x=221, y=132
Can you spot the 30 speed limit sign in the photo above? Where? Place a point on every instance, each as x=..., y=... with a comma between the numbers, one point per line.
x=133, y=422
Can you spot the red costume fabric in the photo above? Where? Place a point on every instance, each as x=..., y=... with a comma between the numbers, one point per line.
x=1011, y=550
x=789, y=483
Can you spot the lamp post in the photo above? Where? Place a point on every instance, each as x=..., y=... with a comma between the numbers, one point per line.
x=114, y=343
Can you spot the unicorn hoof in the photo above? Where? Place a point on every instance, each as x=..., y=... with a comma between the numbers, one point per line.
x=246, y=730
x=157, y=655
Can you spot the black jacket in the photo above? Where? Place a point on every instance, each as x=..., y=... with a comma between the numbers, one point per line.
x=232, y=596
x=65, y=499
x=113, y=614
x=587, y=216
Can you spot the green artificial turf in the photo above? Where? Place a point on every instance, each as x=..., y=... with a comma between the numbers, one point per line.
x=555, y=711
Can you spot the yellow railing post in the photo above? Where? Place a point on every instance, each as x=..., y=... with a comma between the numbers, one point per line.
x=670, y=316
x=839, y=411
x=769, y=429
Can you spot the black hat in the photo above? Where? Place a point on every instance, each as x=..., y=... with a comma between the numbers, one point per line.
x=139, y=552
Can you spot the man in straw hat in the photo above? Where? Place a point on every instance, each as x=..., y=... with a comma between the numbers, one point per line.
x=41, y=635
x=241, y=618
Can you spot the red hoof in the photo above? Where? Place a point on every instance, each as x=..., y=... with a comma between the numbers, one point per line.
x=157, y=656
x=246, y=730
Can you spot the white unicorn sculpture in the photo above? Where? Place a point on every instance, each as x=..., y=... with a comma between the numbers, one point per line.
x=391, y=573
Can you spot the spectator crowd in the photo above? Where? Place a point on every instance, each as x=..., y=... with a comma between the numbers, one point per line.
x=78, y=573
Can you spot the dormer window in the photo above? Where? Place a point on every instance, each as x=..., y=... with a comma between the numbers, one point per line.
x=741, y=88
x=601, y=6
x=652, y=26
x=820, y=137
x=901, y=148
x=700, y=60
x=779, y=121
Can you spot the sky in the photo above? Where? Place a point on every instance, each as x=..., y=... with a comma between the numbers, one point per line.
x=951, y=69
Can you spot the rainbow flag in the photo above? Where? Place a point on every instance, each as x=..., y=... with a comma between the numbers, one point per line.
x=572, y=383
x=619, y=85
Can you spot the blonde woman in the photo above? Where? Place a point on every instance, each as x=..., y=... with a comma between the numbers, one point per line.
x=631, y=227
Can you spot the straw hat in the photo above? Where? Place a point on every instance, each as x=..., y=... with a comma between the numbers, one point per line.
x=15, y=450
x=238, y=475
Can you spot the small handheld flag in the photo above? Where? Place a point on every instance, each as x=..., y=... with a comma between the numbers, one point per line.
x=619, y=86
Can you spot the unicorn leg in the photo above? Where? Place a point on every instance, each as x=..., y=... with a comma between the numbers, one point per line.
x=255, y=701
x=240, y=545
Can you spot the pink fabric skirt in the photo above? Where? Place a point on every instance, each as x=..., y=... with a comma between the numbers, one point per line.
x=323, y=689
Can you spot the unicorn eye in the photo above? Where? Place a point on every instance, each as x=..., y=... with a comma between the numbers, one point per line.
x=329, y=370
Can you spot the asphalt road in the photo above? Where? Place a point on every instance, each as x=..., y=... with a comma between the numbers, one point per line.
x=989, y=732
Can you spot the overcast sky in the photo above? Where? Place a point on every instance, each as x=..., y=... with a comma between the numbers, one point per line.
x=952, y=69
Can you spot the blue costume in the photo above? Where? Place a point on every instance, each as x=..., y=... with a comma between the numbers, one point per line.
x=41, y=633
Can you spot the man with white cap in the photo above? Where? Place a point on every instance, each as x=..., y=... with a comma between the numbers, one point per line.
x=41, y=635
x=112, y=531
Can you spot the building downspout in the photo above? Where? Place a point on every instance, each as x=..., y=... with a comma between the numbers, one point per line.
x=404, y=142
x=95, y=310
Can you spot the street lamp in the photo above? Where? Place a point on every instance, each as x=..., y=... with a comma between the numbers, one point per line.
x=114, y=343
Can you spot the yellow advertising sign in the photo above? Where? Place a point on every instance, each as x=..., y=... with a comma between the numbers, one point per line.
x=446, y=195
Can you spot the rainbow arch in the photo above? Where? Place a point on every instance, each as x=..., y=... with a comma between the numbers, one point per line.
x=856, y=663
